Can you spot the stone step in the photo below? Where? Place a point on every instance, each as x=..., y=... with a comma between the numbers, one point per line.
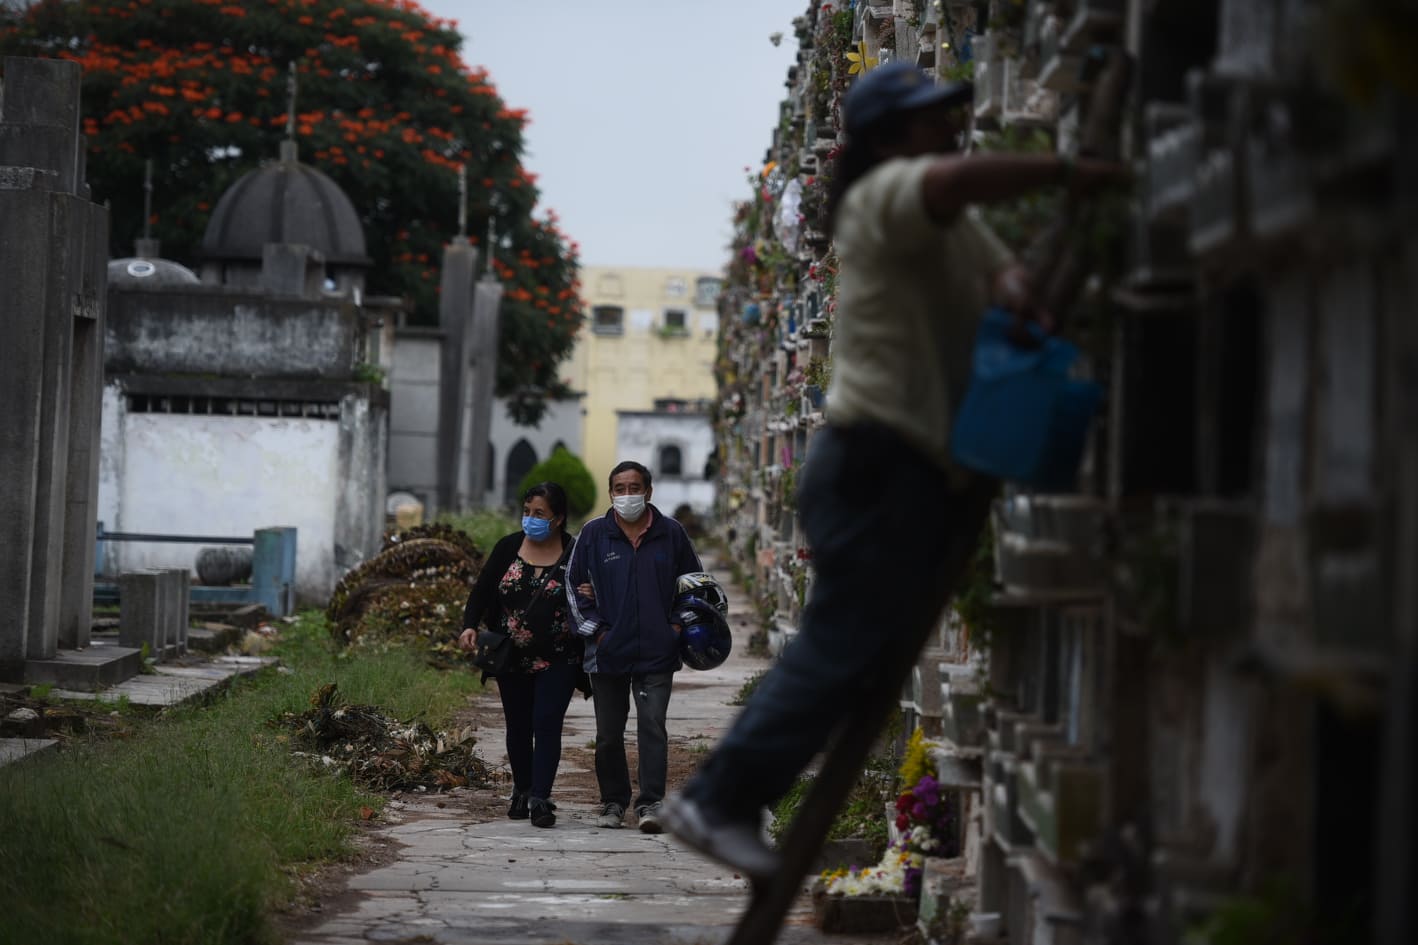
x=214, y=637
x=99, y=666
x=173, y=685
x=13, y=749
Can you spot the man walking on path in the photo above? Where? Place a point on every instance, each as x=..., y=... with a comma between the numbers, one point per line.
x=621, y=583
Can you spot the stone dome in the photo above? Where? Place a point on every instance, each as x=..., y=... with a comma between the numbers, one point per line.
x=146, y=269
x=285, y=202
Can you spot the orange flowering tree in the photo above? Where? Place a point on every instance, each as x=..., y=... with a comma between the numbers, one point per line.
x=387, y=108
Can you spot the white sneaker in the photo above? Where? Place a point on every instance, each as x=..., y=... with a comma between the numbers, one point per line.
x=649, y=819
x=612, y=815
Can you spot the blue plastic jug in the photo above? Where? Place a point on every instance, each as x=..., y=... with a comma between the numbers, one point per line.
x=1023, y=418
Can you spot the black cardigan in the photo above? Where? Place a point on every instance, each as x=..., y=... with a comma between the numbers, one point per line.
x=484, y=603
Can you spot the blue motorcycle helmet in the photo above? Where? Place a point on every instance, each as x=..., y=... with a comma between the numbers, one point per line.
x=705, y=639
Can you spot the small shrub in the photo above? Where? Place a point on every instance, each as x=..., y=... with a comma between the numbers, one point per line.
x=566, y=470
x=861, y=816
x=484, y=526
x=746, y=690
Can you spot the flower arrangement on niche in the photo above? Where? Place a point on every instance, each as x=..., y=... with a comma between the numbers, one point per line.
x=927, y=818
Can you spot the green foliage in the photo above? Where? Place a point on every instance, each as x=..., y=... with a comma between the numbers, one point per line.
x=973, y=600
x=566, y=470
x=861, y=816
x=386, y=108
x=747, y=689
x=484, y=526
x=1278, y=914
x=369, y=373
x=190, y=830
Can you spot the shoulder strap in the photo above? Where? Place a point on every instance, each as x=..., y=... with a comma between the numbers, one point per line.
x=542, y=582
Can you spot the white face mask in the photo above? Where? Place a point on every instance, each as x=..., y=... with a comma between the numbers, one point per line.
x=629, y=507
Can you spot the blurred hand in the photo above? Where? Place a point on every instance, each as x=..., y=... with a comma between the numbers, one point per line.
x=586, y=590
x=1013, y=291
x=468, y=639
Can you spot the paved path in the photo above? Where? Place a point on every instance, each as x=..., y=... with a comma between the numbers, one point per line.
x=460, y=883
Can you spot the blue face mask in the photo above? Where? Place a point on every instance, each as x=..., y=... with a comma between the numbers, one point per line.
x=536, y=528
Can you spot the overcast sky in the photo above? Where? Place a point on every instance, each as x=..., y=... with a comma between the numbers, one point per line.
x=643, y=115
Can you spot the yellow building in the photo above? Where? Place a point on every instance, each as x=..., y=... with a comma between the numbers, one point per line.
x=650, y=337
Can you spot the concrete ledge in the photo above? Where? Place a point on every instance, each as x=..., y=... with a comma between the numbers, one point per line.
x=13, y=749
x=88, y=670
x=213, y=637
x=171, y=685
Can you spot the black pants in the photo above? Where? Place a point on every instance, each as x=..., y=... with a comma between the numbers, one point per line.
x=880, y=519
x=534, y=705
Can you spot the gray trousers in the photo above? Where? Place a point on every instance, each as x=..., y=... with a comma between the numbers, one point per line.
x=612, y=693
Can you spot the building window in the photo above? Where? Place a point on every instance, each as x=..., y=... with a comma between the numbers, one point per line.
x=520, y=461
x=706, y=292
x=608, y=320
x=675, y=288
x=671, y=462
x=676, y=322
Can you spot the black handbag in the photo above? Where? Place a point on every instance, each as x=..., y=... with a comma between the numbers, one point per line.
x=493, y=649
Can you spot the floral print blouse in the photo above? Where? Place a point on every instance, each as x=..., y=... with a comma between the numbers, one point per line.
x=546, y=635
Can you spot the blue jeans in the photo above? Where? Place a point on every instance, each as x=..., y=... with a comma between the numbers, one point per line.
x=612, y=692
x=534, y=705
x=879, y=518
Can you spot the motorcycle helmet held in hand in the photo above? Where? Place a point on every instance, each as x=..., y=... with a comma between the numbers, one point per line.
x=702, y=585
x=705, y=638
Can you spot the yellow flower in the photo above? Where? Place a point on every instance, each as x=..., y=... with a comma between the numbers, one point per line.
x=861, y=63
x=916, y=762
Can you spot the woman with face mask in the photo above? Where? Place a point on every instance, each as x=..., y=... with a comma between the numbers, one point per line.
x=522, y=592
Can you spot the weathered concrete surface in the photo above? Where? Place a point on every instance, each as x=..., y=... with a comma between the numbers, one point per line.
x=205, y=330
x=576, y=884
x=172, y=685
x=13, y=749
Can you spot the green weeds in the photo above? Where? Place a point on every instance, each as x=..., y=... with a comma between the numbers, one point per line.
x=190, y=831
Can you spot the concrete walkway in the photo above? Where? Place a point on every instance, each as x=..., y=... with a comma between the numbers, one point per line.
x=459, y=883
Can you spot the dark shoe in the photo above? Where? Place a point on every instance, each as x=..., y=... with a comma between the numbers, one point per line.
x=541, y=812
x=518, y=809
x=611, y=816
x=648, y=818
x=735, y=843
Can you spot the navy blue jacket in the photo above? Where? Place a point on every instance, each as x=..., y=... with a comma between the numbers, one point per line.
x=635, y=589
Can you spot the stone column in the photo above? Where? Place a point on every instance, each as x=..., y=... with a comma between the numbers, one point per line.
x=455, y=314
x=52, y=266
x=363, y=458
x=85, y=410
x=22, y=213
x=140, y=610
x=486, y=318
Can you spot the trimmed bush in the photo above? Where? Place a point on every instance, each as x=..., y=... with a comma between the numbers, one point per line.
x=566, y=470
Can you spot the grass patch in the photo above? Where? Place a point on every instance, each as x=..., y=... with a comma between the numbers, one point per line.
x=747, y=689
x=485, y=526
x=190, y=831
x=863, y=815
